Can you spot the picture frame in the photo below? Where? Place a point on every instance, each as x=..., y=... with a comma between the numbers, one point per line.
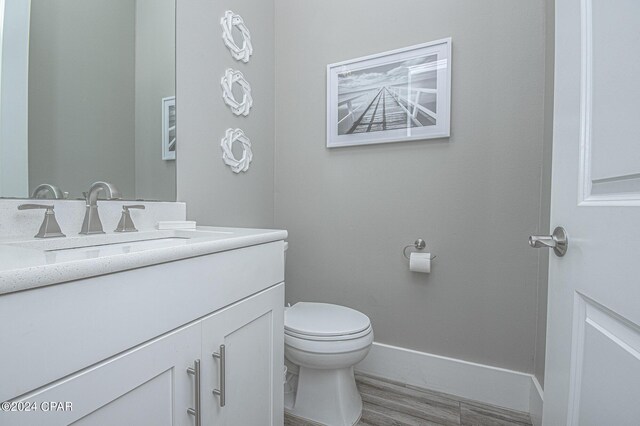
x=394, y=96
x=169, y=128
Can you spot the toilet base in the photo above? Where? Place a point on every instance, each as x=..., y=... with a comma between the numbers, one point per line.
x=327, y=396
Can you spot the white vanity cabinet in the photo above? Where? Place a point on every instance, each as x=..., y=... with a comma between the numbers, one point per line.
x=176, y=313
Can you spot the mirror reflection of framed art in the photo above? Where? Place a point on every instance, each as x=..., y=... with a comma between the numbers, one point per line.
x=169, y=128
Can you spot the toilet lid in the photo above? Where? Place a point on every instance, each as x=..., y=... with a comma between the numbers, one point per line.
x=324, y=319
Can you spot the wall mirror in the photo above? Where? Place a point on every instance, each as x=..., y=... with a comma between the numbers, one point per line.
x=86, y=90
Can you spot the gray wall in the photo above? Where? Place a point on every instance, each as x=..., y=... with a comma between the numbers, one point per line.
x=155, y=79
x=81, y=102
x=474, y=197
x=214, y=194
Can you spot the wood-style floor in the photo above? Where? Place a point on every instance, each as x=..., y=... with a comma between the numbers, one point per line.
x=393, y=404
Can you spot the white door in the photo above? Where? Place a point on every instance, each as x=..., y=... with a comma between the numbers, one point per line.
x=145, y=386
x=593, y=337
x=250, y=334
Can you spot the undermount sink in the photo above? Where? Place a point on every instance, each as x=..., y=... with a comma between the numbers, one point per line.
x=112, y=243
x=138, y=244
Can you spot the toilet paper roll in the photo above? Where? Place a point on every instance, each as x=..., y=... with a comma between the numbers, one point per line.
x=420, y=262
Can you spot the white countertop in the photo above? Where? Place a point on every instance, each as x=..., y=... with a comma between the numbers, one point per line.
x=31, y=263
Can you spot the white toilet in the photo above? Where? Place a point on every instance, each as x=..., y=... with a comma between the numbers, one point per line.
x=325, y=341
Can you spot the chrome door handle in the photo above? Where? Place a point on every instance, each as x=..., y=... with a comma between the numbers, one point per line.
x=195, y=412
x=558, y=241
x=221, y=392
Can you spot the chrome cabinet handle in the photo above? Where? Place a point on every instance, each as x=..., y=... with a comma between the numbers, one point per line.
x=222, y=375
x=195, y=412
x=558, y=241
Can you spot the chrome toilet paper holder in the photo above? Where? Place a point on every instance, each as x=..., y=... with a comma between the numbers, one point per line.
x=419, y=245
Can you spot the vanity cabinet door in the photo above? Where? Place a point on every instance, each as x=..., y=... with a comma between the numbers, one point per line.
x=148, y=385
x=252, y=332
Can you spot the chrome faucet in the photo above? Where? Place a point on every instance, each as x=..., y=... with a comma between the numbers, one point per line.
x=126, y=223
x=41, y=190
x=49, y=227
x=92, y=223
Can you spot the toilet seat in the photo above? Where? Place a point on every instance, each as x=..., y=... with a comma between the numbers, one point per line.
x=328, y=338
x=335, y=346
x=324, y=321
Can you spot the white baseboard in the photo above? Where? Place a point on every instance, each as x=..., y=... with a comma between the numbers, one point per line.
x=536, y=397
x=483, y=383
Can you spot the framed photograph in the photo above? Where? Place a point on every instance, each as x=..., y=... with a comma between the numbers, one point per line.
x=169, y=128
x=394, y=96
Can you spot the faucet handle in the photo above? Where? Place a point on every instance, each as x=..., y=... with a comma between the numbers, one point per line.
x=126, y=223
x=36, y=206
x=50, y=227
x=134, y=206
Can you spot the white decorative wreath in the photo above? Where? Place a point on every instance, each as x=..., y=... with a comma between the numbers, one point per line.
x=237, y=165
x=228, y=22
x=230, y=78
